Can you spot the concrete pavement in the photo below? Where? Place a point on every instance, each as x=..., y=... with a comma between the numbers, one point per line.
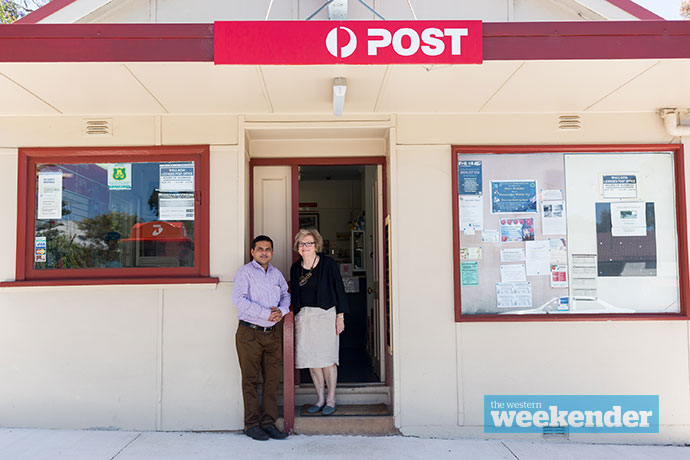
x=32, y=444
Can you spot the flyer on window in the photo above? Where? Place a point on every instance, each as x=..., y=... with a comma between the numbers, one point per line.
x=469, y=274
x=49, y=195
x=471, y=253
x=514, y=295
x=553, y=217
x=470, y=177
x=629, y=219
x=516, y=229
x=619, y=186
x=176, y=206
x=40, y=249
x=512, y=196
x=176, y=177
x=471, y=214
x=120, y=176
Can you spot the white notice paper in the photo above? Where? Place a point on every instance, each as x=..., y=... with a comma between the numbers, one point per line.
x=628, y=219
x=538, y=257
x=553, y=217
x=513, y=273
x=513, y=255
x=176, y=177
x=471, y=213
x=49, y=195
x=490, y=236
x=176, y=206
x=514, y=295
x=549, y=195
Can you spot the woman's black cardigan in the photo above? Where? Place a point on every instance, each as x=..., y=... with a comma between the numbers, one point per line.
x=330, y=290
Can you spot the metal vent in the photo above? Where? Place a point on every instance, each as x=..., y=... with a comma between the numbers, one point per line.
x=569, y=122
x=555, y=432
x=100, y=127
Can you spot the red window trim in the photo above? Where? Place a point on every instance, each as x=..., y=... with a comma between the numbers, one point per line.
x=26, y=201
x=681, y=225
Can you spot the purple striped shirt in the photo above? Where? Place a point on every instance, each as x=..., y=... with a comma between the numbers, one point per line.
x=256, y=290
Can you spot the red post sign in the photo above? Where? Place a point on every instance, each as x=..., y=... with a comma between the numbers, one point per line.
x=347, y=42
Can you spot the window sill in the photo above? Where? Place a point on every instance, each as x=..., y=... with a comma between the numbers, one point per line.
x=208, y=282
x=582, y=317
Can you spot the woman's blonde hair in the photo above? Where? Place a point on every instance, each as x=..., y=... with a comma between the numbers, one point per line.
x=303, y=232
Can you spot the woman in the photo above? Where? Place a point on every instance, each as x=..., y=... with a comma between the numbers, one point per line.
x=320, y=304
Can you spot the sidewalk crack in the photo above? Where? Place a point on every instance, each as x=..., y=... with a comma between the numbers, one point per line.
x=126, y=446
x=504, y=445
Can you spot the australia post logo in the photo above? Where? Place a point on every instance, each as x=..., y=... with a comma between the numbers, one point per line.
x=348, y=42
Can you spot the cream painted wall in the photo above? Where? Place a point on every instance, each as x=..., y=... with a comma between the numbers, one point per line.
x=442, y=375
x=132, y=357
x=426, y=352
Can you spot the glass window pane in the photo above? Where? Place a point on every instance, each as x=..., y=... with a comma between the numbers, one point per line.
x=114, y=215
x=568, y=233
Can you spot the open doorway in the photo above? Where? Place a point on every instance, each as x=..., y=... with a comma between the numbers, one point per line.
x=343, y=203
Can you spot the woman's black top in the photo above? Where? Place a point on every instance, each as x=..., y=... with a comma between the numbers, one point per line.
x=327, y=290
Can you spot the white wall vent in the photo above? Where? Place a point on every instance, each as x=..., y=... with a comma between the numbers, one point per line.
x=569, y=122
x=98, y=127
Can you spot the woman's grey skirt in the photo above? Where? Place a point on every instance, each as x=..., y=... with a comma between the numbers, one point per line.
x=316, y=343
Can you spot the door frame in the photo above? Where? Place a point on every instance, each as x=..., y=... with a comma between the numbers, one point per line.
x=288, y=321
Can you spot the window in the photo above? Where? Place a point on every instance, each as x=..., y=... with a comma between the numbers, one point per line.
x=113, y=214
x=569, y=231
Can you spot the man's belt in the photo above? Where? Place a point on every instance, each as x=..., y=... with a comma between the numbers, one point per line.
x=257, y=327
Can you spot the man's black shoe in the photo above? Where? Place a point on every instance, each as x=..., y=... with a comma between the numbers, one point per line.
x=274, y=432
x=256, y=433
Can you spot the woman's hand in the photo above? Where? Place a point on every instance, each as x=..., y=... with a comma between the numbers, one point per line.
x=339, y=324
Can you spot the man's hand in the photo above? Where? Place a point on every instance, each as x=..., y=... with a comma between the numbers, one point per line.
x=276, y=315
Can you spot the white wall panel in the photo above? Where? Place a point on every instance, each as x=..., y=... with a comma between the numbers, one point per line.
x=78, y=358
x=427, y=353
x=201, y=375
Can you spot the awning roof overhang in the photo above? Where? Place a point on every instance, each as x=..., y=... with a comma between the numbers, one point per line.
x=108, y=69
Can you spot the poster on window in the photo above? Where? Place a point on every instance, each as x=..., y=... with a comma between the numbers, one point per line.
x=176, y=177
x=176, y=206
x=120, y=176
x=516, y=229
x=49, y=195
x=511, y=196
x=628, y=219
x=470, y=177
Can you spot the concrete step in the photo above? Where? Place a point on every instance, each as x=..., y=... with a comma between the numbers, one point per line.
x=349, y=419
x=368, y=394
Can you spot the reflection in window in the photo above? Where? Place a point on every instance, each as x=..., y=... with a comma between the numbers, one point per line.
x=108, y=215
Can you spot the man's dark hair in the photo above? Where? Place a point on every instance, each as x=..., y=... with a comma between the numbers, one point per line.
x=261, y=238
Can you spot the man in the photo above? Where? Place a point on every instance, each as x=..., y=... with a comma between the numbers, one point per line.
x=261, y=296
